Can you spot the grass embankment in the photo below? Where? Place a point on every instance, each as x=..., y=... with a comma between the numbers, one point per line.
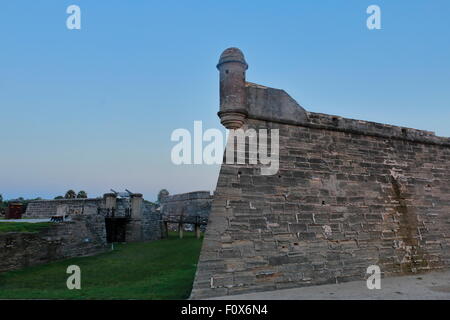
x=22, y=226
x=162, y=269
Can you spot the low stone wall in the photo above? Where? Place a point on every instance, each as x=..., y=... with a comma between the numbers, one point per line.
x=48, y=208
x=190, y=204
x=83, y=235
x=143, y=220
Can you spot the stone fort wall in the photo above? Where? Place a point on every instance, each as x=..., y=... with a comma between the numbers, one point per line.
x=348, y=194
x=147, y=226
x=83, y=235
x=144, y=223
x=189, y=205
x=47, y=208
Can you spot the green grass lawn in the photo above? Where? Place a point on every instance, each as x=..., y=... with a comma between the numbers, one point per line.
x=22, y=226
x=162, y=269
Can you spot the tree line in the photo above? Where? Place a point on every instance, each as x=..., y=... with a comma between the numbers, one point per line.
x=71, y=194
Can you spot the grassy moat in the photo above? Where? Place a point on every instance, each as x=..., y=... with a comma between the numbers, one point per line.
x=23, y=226
x=162, y=269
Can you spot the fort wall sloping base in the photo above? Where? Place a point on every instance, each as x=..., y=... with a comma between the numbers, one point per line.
x=348, y=194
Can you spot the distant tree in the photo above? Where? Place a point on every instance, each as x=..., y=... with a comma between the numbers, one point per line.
x=161, y=194
x=82, y=195
x=70, y=195
x=59, y=197
x=2, y=205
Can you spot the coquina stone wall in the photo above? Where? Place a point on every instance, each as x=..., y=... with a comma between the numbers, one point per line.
x=187, y=205
x=83, y=235
x=143, y=220
x=47, y=208
x=146, y=226
x=151, y=223
x=348, y=194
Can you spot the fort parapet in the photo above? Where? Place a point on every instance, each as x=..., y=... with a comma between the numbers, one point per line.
x=187, y=205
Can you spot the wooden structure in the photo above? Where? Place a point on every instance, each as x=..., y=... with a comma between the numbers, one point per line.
x=181, y=220
x=15, y=210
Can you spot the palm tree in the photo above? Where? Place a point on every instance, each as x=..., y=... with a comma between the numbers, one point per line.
x=82, y=194
x=70, y=194
x=161, y=194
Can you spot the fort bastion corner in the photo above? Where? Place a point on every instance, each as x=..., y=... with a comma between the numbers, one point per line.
x=348, y=194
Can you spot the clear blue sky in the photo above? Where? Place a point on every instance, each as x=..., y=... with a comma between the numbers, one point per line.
x=94, y=108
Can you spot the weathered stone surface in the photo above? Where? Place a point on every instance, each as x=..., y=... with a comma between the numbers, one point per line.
x=83, y=235
x=188, y=207
x=232, y=68
x=48, y=208
x=144, y=223
x=273, y=104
